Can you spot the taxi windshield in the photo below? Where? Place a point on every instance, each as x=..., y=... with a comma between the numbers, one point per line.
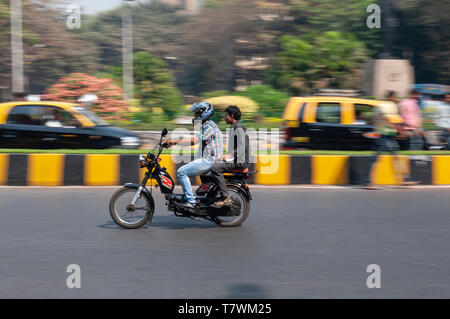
x=90, y=115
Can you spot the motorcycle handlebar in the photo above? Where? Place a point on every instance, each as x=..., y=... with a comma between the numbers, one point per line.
x=161, y=146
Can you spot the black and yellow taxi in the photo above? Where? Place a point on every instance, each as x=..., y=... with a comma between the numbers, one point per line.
x=57, y=125
x=328, y=121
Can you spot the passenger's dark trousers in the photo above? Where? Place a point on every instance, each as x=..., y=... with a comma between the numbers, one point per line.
x=217, y=173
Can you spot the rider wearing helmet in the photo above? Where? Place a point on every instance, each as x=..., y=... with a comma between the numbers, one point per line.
x=210, y=149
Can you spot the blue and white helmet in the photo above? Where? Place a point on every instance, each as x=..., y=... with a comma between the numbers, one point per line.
x=203, y=111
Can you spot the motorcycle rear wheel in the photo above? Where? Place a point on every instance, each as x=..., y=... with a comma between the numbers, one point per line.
x=239, y=201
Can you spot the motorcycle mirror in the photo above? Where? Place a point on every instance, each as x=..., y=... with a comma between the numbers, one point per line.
x=164, y=132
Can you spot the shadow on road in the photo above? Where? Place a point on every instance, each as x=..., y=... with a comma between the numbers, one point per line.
x=113, y=225
x=168, y=222
x=246, y=291
x=173, y=222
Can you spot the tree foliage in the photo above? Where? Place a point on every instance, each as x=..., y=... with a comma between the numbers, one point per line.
x=425, y=39
x=206, y=56
x=330, y=59
x=248, y=107
x=204, y=50
x=346, y=16
x=271, y=101
x=154, y=83
x=211, y=94
x=28, y=36
x=157, y=29
x=51, y=50
x=4, y=41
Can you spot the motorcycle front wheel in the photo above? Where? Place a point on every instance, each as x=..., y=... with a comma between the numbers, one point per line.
x=126, y=216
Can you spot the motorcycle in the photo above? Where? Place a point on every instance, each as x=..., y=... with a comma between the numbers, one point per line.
x=132, y=206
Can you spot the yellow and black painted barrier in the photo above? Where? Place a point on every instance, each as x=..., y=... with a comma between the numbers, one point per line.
x=109, y=170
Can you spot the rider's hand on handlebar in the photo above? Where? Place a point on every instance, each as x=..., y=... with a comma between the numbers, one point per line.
x=169, y=143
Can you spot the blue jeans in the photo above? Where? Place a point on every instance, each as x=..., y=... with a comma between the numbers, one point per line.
x=197, y=167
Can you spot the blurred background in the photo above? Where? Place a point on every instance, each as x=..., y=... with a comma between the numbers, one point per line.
x=256, y=54
x=314, y=71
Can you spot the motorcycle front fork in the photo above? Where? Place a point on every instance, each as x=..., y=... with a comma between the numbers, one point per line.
x=136, y=196
x=139, y=191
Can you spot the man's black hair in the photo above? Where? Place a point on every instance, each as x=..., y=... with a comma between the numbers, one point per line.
x=234, y=111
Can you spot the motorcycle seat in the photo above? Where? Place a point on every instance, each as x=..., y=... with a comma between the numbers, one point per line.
x=238, y=170
x=239, y=173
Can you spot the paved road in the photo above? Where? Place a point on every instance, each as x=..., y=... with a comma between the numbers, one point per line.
x=297, y=243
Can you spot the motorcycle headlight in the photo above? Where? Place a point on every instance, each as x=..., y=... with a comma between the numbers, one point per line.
x=130, y=141
x=143, y=162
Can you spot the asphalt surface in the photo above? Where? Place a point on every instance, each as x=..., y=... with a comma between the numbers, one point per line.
x=296, y=243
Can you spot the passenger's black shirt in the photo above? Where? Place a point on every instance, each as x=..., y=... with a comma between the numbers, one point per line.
x=239, y=144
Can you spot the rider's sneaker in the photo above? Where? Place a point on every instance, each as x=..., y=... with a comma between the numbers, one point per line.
x=187, y=205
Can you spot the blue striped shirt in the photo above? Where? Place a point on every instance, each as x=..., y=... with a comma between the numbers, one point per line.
x=211, y=141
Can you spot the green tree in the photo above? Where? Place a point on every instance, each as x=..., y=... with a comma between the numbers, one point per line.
x=207, y=55
x=51, y=50
x=271, y=101
x=28, y=36
x=424, y=38
x=157, y=29
x=5, y=53
x=210, y=94
x=248, y=107
x=154, y=83
x=347, y=16
x=330, y=59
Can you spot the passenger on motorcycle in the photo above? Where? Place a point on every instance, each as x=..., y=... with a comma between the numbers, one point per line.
x=210, y=149
x=237, y=156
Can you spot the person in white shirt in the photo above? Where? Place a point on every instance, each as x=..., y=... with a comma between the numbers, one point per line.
x=442, y=117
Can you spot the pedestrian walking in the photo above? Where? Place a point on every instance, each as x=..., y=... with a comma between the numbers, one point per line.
x=388, y=127
x=412, y=122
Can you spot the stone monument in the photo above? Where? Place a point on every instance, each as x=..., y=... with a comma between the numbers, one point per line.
x=388, y=72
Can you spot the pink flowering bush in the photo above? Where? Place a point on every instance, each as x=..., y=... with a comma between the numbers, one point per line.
x=109, y=105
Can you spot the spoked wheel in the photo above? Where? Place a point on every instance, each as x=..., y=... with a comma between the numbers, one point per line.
x=240, y=209
x=128, y=216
